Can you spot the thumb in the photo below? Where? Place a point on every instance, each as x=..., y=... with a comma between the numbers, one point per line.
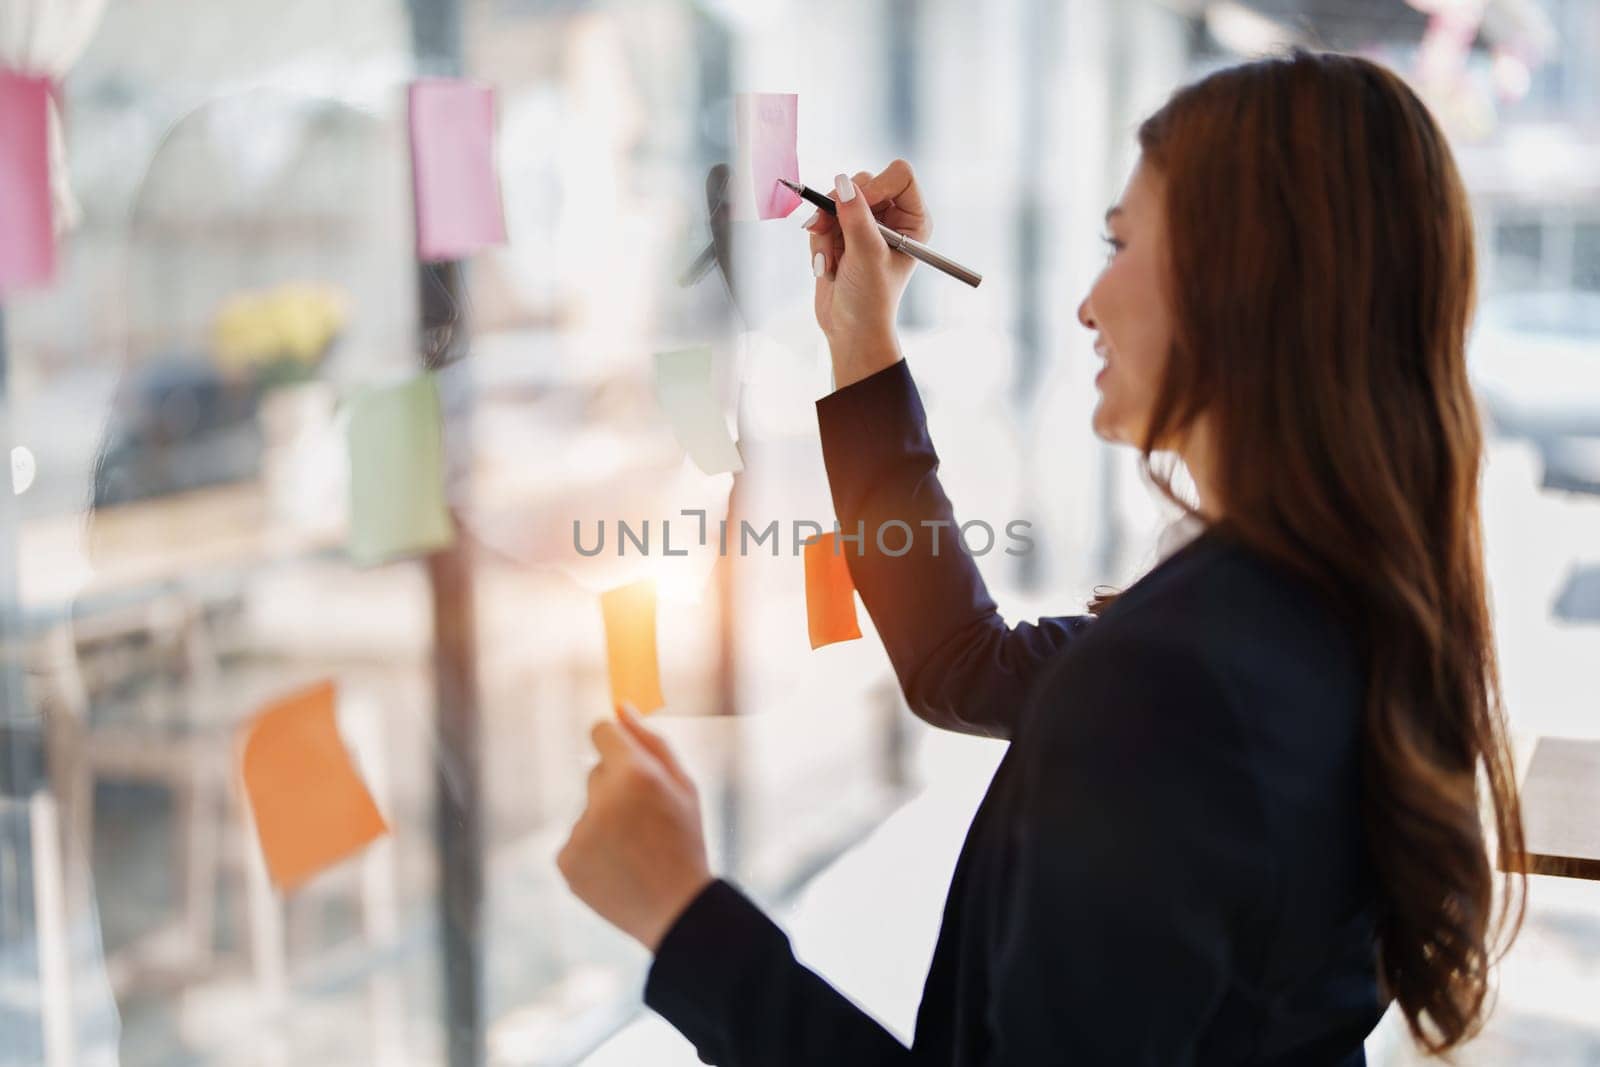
x=856, y=221
x=653, y=742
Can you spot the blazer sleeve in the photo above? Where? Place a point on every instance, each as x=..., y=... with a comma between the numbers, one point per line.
x=1138, y=882
x=1142, y=872
x=958, y=662
x=725, y=976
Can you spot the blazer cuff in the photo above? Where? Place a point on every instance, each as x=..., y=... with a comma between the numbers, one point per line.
x=868, y=426
x=708, y=958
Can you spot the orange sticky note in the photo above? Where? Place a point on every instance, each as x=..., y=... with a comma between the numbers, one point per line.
x=630, y=614
x=830, y=594
x=311, y=808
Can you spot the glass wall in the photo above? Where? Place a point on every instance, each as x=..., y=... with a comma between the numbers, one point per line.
x=184, y=545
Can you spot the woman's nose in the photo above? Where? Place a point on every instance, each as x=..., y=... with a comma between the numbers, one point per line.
x=1085, y=317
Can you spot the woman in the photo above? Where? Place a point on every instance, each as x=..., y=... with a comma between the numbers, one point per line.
x=1240, y=812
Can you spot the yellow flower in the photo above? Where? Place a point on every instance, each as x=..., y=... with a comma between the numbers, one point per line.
x=294, y=321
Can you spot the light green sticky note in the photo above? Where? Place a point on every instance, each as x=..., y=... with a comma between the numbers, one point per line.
x=683, y=388
x=397, y=505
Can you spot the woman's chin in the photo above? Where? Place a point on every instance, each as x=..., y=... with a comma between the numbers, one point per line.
x=1103, y=425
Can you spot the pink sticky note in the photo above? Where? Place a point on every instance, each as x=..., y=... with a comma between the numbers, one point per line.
x=27, y=233
x=452, y=168
x=766, y=125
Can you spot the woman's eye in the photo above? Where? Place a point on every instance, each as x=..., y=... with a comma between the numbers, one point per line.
x=1113, y=246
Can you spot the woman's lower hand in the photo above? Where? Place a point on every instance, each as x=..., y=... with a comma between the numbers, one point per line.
x=637, y=855
x=859, y=280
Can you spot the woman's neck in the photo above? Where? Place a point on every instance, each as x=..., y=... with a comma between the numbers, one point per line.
x=1198, y=454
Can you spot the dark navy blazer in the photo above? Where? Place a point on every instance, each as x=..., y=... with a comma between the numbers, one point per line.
x=1169, y=866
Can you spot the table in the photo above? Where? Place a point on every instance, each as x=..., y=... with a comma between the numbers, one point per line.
x=83, y=557
x=1561, y=809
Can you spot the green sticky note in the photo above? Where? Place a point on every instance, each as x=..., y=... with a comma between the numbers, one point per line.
x=684, y=391
x=397, y=505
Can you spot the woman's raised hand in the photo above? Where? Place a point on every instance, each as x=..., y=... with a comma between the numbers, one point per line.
x=859, y=280
x=637, y=856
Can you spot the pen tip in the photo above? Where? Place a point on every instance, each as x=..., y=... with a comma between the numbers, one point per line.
x=796, y=186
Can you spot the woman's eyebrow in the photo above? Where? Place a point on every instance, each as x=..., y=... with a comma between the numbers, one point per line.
x=1113, y=211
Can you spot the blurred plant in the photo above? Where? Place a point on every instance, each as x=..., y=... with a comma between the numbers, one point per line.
x=279, y=335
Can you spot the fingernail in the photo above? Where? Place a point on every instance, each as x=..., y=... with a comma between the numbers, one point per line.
x=819, y=264
x=812, y=221
x=627, y=711
x=844, y=187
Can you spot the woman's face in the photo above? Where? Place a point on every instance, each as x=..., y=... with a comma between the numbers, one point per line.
x=1128, y=310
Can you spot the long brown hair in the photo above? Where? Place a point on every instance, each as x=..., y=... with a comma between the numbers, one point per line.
x=1323, y=282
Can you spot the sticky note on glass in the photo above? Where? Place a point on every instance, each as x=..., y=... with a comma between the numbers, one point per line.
x=830, y=594
x=684, y=391
x=397, y=502
x=453, y=177
x=765, y=127
x=630, y=615
x=310, y=807
x=27, y=234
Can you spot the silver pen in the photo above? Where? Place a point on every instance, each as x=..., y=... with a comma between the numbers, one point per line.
x=897, y=240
